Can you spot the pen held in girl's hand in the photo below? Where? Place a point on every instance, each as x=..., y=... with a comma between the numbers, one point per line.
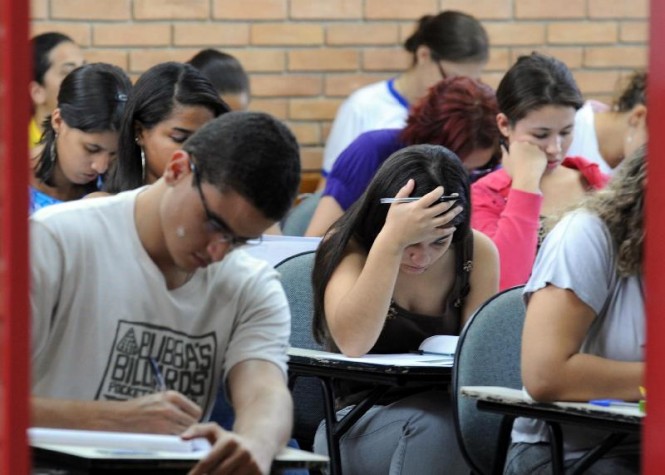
x=411, y=199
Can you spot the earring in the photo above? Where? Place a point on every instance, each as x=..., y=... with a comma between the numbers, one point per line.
x=142, y=166
x=53, y=150
x=180, y=232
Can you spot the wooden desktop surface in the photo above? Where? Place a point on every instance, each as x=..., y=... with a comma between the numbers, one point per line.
x=515, y=402
x=398, y=370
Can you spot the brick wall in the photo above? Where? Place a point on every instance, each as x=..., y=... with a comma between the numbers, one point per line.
x=305, y=56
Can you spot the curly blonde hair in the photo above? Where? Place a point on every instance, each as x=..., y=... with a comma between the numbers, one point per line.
x=621, y=207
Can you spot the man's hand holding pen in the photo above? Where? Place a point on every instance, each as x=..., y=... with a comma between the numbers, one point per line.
x=165, y=412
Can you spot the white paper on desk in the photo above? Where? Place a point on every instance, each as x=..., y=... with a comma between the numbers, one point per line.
x=405, y=359
x=396, y=359
x=442, y=345
x=517, y=396
x=274, y=249
x=116, y=440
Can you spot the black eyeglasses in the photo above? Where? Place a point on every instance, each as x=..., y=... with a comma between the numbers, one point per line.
x=215, y=224
x=443, y=73
x=435, y=57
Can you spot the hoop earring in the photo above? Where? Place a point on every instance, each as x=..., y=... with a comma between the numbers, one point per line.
x=53, y=150
x=142, y=166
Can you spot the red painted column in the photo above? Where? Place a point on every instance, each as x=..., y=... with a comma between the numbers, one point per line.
x=14, y=281
x=654, y=431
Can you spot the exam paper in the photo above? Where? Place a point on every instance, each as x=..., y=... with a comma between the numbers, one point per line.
x=116, y=440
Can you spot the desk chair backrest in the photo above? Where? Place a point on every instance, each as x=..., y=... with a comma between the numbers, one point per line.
x=296, y=272
x=297, y=221
x=488, y=354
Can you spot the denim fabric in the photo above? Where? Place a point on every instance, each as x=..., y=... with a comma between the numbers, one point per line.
x=534, y=459
x=414, y=435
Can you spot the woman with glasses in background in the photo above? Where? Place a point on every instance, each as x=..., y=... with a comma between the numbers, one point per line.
x=445, y=45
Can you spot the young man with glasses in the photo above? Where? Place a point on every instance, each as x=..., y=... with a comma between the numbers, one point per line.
x=142, y=288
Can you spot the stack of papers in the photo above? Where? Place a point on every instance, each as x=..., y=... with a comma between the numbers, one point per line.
x=274, y=249
x=118, y=443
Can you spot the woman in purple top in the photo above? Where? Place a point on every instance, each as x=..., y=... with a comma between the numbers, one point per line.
x=458, y=113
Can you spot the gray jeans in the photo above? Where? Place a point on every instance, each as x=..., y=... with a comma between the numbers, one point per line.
x=536, y=459
x=415, y=435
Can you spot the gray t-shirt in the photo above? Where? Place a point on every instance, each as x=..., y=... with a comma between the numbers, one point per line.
x=101, y=309
x=579, y=254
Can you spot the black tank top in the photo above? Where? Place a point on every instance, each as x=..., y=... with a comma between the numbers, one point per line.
x=403, y=331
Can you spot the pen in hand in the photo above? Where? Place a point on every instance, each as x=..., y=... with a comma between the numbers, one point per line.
x=410, y=199
x=159, y=379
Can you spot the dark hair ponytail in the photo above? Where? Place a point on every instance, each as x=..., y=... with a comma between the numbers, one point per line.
x=451, y=36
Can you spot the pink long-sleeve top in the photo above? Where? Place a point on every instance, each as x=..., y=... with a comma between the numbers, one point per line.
x=511, y=218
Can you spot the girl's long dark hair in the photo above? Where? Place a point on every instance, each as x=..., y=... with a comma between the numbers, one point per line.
x=429, y=166
x=153, y=98
x=92, y=98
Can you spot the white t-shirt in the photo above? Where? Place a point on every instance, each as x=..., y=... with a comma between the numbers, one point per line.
x=585, y=142
x=376, y=106
x=101, y=310
x=579, y=254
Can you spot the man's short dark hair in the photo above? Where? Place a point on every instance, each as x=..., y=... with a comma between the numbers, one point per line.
x=251, y=153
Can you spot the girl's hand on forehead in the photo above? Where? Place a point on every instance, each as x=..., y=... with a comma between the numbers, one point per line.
x=422, y=220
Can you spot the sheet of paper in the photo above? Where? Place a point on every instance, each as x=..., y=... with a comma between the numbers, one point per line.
x=518, y=396
x=440, y=345
x=274, y=249
x=39, y=436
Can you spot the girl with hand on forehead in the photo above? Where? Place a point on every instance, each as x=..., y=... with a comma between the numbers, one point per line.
x=386, y=277
x=537, y=98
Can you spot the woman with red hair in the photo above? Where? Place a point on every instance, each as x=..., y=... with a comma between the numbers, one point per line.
x=458, y=113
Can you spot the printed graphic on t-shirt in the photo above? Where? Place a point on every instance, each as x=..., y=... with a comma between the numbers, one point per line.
x=186, y=362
